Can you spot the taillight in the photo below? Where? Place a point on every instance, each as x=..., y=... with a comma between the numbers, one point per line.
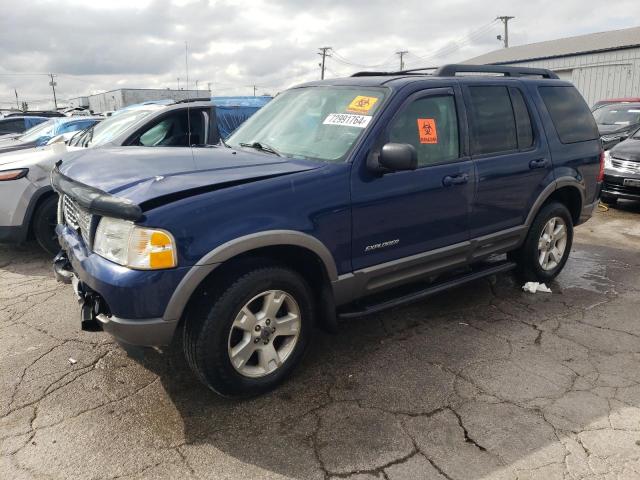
x=601, y=172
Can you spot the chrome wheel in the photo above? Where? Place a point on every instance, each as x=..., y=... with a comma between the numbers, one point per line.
x=264, y=333
x=552, y=243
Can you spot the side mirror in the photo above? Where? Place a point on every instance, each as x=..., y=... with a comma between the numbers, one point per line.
x=394, y=157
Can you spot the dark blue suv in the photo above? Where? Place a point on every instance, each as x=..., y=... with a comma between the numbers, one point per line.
x=339, y=198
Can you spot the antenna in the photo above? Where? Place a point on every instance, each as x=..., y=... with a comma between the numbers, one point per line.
x=186, y=64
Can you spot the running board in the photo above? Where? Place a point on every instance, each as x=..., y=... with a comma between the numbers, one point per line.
x=375, y=307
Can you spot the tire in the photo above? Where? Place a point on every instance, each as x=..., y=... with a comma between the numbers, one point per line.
x=44, y=223
x=530, y=257
x=211, y=332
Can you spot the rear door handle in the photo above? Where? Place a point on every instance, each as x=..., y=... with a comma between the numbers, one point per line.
x=541, y=163
x=451, y=180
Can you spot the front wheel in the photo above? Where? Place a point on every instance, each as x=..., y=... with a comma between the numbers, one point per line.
x=546, y=248
x=245, y=339
x=44, y=225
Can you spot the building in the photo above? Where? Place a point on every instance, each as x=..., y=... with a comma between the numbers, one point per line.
x=123, y=97
x=601, y=65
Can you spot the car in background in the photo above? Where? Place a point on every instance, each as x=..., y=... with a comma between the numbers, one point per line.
x=616, y=122
x=622, y=171
x=609, y=101
x=36, y=113
x=42, y=133
x=19, y=124
x=27, y=202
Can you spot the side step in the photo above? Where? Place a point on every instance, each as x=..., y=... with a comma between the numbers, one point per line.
x=373, y=306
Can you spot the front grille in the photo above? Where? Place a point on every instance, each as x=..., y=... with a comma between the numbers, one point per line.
x=625, y=165
x=77, y=217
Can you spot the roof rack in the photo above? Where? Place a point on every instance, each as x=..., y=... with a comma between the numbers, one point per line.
x=452, y=69
x=189, y=100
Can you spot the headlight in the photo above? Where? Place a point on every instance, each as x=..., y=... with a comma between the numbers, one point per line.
x=133, y=246
x=607, y=160
x=13, y=174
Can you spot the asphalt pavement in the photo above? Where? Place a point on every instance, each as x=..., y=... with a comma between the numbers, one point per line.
x=481, y=382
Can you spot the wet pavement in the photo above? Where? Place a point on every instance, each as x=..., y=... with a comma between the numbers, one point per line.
x=482, y=382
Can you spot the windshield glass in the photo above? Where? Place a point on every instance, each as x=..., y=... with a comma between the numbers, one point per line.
x=318, y=123
x=110, y=128
x=617, y=115
x=45, y=129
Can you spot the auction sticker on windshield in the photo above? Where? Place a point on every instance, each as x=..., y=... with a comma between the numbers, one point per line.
x=348, y=120
x=361, y=104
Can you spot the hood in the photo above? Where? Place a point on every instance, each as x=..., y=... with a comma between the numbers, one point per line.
x=44, y=156
x=609, y=129
x=627, y=150
x=141, y=174
x=12, y=143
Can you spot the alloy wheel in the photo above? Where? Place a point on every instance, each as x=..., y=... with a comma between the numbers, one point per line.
x=552, y=243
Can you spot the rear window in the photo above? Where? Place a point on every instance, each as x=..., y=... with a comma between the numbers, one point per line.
x=570, y=114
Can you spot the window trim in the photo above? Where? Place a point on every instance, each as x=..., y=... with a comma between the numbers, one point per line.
x=445, y=91
x=534, y=129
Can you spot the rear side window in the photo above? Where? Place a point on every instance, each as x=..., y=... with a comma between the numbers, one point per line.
x=570, y=114
x=523, y=119
x=494, y=126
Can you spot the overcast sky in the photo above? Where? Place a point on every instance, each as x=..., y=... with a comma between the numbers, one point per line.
x=97, y=45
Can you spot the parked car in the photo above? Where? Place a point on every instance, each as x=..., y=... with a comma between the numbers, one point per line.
x=42, y=133
x=17, y=125
x=36, y=113
x=609, y=101
x=339, y=198
x=28, y=205
x=616, y=122
x=622, y=171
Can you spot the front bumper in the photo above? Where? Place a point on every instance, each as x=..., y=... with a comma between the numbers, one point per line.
x=128, y=304
x=614, y=186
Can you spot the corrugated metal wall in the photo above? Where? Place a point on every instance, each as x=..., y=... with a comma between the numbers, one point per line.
x=598, y=75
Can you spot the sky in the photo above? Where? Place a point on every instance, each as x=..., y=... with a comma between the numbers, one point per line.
x=232, y=46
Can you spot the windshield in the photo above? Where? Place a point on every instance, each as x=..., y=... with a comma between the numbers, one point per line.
x=617, y=115
x=318, y=123
x=45, y=129
x=110, y=128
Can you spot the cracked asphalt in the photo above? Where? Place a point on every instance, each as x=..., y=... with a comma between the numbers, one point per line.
x=482, y=382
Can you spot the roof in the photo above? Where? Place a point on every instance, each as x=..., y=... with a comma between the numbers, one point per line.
x=580, y=45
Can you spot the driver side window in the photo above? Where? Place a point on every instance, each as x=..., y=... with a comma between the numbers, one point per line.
x=430, y=124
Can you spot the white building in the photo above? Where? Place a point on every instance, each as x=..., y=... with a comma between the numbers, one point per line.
x=601, y=65
x=123, y=97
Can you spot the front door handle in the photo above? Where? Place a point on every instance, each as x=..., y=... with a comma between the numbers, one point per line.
x=541, y=163
x=450, y=180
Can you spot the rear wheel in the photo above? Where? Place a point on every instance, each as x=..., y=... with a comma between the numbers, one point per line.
x=247, y=337
x=548, y=244
x=44, y=223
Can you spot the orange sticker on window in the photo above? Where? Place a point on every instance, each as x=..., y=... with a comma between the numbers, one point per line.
x=361, y=104
x=427, y=130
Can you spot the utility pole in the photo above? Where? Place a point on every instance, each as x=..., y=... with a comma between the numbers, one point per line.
x=17, y=104
x=209, y=86
x=505, y=19
x=402, y=53
x=178, y=83
x=53, y=84
x=254, y=90
x=323, y=53
x=196, y=85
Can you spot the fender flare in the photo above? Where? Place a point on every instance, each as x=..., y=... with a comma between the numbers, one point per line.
x=209, y=262
x=548, y=191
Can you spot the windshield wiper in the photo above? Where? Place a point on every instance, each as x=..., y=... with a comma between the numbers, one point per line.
x=263, y=147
